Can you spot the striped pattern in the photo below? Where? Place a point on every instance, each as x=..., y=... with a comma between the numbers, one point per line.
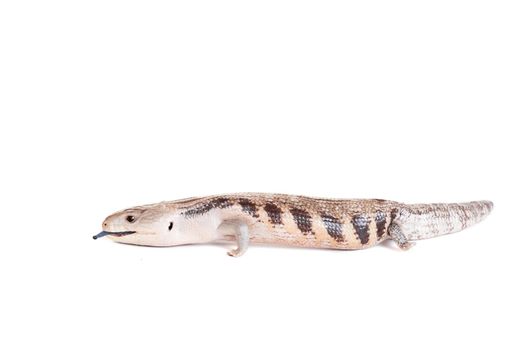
x=274, y=213
x=361, y=226
x=248, y=207
x=380, y=223
x=206, y=206
x=334, y=227
x=302, y=221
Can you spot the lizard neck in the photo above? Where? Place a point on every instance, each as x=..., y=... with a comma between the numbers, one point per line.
x=199, y=229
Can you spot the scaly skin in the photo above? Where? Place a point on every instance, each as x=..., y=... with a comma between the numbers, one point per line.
x=289, y=220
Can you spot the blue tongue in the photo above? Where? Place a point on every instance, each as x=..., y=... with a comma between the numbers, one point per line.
x=105, y=233
x=101, y=234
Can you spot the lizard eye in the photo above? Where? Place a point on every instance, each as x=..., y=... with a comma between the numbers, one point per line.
x=130, y=218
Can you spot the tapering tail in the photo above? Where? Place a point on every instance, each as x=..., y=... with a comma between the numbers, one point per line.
x=422, y=221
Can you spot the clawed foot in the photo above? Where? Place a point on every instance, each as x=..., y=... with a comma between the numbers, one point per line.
x=235, y=253
x=406, y=245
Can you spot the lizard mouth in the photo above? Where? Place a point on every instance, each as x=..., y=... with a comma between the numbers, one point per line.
x=116, y=234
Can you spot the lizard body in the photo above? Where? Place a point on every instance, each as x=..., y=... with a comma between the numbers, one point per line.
x=289, y=220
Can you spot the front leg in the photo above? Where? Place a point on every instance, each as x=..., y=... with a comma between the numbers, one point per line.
x=243, y=239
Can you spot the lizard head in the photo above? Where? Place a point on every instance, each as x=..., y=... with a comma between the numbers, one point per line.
x=145, y=225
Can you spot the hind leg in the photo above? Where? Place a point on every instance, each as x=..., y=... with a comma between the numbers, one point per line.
x=397, y=235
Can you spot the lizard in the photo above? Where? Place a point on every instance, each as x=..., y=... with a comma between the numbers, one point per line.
x=288, y=220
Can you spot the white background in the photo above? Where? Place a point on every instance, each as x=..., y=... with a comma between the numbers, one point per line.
x=110, y=104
